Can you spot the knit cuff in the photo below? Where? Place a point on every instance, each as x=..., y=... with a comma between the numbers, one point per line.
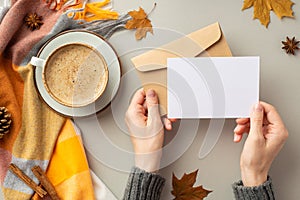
x=261, y=192
x=143, y=185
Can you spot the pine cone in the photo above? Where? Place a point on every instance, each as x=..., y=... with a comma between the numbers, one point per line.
x=5, y=121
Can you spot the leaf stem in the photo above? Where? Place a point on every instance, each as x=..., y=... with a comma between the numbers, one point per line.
x=154, y=6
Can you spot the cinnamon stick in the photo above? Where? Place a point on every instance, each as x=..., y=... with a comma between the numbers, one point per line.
x=45, y=182
x=14, y=169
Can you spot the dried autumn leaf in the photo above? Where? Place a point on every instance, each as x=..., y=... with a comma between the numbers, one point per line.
x=262, y=8
x=140, y=22
x=183, y=188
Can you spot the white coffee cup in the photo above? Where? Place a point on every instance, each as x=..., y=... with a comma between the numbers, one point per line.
x=75, y=74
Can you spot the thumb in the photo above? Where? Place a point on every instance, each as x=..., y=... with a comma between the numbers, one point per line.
x=256, y=119
x=152, y=103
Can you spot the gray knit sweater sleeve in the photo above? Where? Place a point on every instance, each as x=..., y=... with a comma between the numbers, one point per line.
x=262, y=192
x=143, y=185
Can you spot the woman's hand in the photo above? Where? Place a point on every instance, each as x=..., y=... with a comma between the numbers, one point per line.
x=146, y=129
x=267, y=135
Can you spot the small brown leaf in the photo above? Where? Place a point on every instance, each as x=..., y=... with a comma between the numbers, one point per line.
x=262, y=8
x=140, y=22
x=183, y=188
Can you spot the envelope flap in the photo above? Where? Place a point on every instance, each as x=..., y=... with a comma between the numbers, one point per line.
x=207, y=36
x=190, y=45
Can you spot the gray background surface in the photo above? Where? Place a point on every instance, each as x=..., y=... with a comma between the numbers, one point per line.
x=280, y=81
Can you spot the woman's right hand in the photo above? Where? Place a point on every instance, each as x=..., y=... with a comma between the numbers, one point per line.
x=267, y=135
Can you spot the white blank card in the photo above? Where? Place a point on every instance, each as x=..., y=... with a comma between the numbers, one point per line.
x=212, y=87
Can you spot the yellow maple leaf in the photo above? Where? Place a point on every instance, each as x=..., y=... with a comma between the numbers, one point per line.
x=93, y=11
x=140, y=22
x=262, y=8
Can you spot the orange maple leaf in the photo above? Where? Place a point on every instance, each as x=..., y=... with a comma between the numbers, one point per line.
x=262, y=8
x=183, y=188
x=140, y=22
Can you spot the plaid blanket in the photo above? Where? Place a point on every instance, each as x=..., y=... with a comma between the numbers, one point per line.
x=38, y=135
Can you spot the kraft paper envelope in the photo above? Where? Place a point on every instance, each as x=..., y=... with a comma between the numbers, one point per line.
x=151, y=66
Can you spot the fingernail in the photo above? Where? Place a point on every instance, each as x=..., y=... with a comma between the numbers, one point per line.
x=235, y=138
x=151, y=93
x=258, y=107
